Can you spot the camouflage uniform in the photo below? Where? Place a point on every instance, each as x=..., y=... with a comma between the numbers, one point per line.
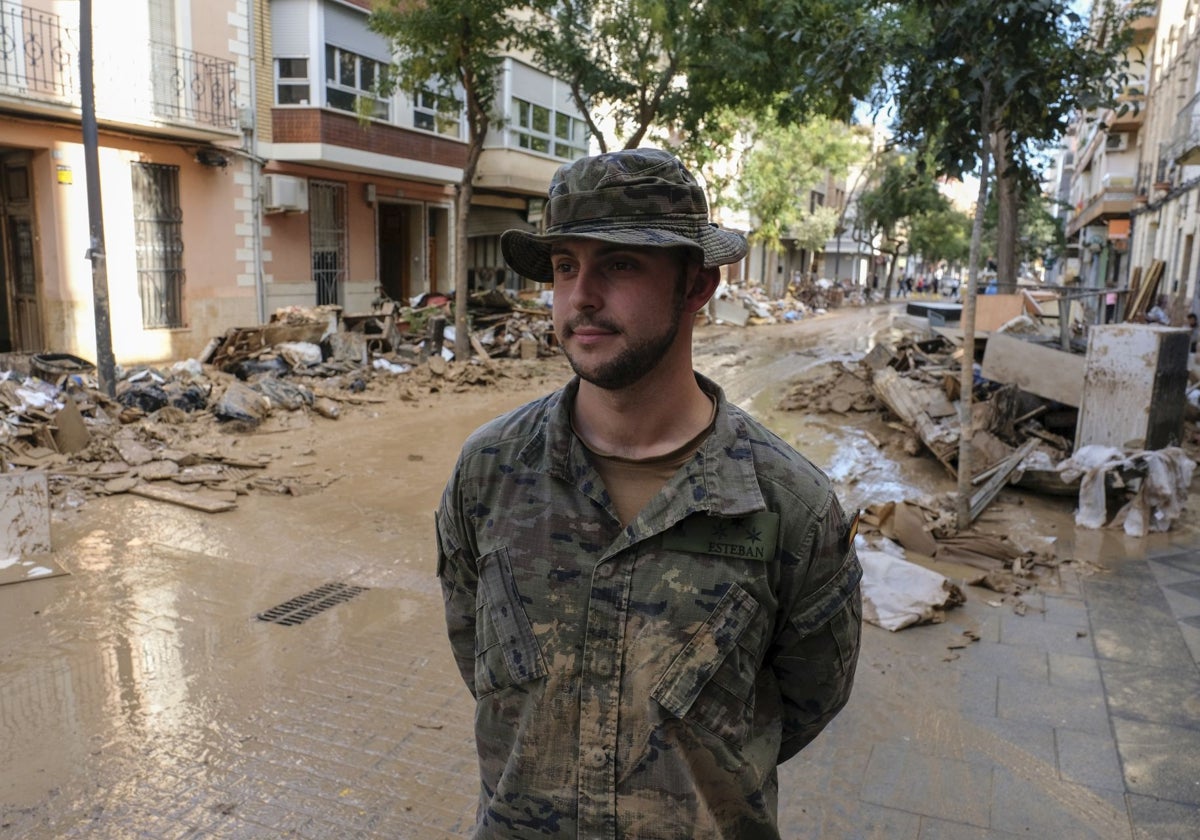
x=643, y=682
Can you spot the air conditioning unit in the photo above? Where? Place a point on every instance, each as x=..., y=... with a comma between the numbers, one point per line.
x=1116, y=142
x=286, y=194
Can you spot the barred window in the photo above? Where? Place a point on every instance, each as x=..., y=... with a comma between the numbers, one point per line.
x=158, y=244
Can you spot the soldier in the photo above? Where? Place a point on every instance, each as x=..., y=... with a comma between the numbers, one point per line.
x=653, y=599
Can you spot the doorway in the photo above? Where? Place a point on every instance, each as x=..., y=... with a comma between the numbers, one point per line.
x=20, y=316
x=401, y=272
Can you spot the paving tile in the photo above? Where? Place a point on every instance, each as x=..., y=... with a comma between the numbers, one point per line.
x=1175, y=568
x=1051, y=809
x=1036, y=702
x=1015, y=660
x=1159, y=819
x=1156, y=643
x=1160, y=760
x=1089, y=759
x=1035, y=741
x=1183, y=601
x=1155, y=695
x=977, y=693
x=1190, y=631
x=1069, y=611
x=1122, y=599
x=902, y=778
x=933, y=829
x=825, y=817
x=1077, y=672
x=1052, y=638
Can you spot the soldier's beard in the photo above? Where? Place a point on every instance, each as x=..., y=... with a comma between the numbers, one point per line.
x=636, y=359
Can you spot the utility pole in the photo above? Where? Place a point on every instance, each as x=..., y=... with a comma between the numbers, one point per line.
x=105, y=362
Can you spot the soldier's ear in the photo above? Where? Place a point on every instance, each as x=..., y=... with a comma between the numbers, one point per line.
x=702, y=283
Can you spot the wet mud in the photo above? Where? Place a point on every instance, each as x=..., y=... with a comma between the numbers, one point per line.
x=142, y=695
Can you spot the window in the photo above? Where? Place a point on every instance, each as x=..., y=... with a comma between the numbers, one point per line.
x=540, y=129
x=291, y=81
x=350, y=77
x=570, y=137
x=434, y=112
x=158, y=243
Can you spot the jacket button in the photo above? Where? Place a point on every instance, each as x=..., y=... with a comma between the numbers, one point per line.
x=606, y=571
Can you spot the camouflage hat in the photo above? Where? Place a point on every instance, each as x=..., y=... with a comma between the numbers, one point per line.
x=642, y=197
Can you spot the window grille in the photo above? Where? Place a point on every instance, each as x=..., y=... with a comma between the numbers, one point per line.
x=327, y=214
x=158, y=244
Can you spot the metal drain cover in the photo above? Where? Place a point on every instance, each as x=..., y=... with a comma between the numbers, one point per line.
x=303, y=607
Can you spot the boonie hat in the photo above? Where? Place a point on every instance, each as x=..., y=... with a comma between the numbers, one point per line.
x=642, y=197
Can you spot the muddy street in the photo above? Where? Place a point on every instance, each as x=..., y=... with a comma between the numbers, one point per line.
x=142, y=693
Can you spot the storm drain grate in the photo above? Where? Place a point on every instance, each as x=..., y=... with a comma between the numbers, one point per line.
x=303, y=607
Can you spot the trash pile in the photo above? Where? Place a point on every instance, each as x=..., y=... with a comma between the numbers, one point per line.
x=1031, y=429
x=750, y=305
x=152, y=438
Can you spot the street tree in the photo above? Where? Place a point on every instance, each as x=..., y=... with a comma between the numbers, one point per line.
x=783, y=168
x=941, y=235
x=976, y=82
x=667, y=70
x=452, y=50
x=899, y=189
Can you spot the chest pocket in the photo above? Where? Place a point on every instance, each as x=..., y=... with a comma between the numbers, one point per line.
x=506, y=651
x=711, y=682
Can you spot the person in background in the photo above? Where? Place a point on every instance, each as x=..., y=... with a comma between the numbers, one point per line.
x=652, y=598
x=1194, y=331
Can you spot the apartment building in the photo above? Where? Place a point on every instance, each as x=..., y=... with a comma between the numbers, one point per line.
x=358, y=200
x=175, y=191
x=1166, y=218
x=246, y=164
x=1103, y=150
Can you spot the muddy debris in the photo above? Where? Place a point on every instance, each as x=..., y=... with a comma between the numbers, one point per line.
x=155, y=438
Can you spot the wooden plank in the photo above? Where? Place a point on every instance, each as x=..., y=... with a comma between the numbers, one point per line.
x=984, y=495
x=1040, y=370
x=905, y=399
x=195, y=501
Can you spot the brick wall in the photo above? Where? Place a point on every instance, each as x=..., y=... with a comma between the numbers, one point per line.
x=314, y=125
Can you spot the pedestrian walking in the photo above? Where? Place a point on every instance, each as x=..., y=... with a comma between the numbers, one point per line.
x=653, y=599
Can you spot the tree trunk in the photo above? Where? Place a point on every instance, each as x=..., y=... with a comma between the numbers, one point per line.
x=477, y=128
x=1007, y=204
x=967, y=378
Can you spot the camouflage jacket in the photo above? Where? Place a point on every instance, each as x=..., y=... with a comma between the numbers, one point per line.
x=643, y=682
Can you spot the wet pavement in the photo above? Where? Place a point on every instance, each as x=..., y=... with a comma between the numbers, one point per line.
x=141, y=695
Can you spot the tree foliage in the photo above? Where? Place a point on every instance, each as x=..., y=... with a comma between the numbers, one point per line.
x=671, y=69
x=455, y=49
x=941, y=235
x=780, y=171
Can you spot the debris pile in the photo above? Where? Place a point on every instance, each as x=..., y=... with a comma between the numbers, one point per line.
x=751, y=305
x=154, y=438
x=1034, y=410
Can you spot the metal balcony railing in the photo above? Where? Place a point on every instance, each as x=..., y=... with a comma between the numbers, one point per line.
x=193, y=87
x=1185, y=140
x=39, y=56
x=39, y=61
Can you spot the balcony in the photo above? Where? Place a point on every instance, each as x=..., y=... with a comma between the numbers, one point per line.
x=163, y=89
x=1185, y=140
x=1114, y=200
